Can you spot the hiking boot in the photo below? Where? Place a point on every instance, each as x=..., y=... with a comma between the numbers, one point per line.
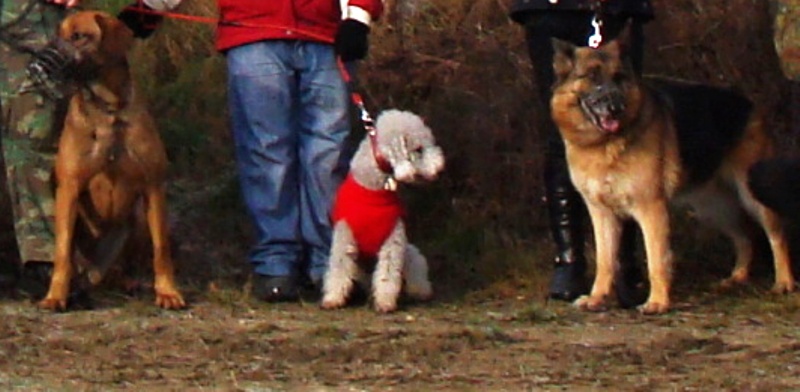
x=568, y=281
x=275, y=288
x=34, y=282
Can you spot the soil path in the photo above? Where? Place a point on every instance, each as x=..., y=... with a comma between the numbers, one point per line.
x=739, y=342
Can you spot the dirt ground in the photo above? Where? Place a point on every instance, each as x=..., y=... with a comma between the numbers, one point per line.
x=740, y=341
x=471, y=338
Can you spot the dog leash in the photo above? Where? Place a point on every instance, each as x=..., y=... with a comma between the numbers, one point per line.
x=366, y=119
x=144, y=10
x=596, y=38
x=372, y=132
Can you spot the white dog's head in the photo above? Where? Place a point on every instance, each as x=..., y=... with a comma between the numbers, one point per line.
x=402, y=149
x=409, y=146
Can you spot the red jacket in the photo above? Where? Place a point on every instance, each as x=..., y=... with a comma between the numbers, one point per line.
x=371, y=214
x=246, y=21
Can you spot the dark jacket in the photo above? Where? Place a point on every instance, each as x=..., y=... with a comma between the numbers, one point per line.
x=521, y=9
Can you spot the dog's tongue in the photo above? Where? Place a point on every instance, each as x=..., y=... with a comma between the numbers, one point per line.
x=609, y=124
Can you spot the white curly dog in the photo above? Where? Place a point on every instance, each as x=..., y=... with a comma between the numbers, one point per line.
x=369, y=235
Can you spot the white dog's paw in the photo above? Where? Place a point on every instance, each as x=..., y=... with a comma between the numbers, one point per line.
x=330, y=302
x=386, y=305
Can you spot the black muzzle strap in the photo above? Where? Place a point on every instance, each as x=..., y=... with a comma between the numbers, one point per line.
x=51, y=70
x=605, y=98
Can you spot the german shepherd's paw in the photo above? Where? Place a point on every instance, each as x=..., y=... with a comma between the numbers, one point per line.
x=733, y=281
x=654, y=307
x=591, y=303
x=781, y=287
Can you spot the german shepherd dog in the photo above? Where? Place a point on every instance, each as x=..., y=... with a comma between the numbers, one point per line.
x=633, y=146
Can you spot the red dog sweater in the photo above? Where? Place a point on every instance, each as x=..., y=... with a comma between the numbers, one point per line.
x=371, y=214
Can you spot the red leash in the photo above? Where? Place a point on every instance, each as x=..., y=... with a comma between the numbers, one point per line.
x=141, y=8
x=369, y=124
x=358, y=101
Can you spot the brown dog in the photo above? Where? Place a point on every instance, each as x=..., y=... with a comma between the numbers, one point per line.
x=633, y=146
x=110, y=157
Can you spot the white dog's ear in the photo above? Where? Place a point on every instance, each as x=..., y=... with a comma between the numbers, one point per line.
x=433, y=159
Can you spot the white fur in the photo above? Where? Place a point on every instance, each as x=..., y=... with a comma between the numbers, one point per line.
x=409, y=146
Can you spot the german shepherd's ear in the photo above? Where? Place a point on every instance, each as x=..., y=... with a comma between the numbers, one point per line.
x=563, y=58
x=117, y=38
x=620, y=46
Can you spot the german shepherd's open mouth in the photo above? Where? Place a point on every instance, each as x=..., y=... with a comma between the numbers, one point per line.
x=604, y=105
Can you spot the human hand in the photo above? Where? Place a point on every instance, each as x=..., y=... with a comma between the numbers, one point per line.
x=65, y=3
x=138, y=18
x=351, y=42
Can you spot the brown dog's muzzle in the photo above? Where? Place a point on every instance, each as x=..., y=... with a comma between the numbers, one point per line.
x=51, y=70
x=604, y=105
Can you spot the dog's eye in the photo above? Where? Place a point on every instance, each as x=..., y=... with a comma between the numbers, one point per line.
x=78, y=36
x=416, y=154
x=619, y=77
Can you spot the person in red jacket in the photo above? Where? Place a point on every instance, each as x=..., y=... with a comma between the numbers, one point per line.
x=289, y=116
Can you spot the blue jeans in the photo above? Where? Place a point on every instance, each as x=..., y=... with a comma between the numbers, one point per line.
x=289, y=110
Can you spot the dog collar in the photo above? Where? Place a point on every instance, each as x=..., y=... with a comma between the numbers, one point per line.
x=372, y=133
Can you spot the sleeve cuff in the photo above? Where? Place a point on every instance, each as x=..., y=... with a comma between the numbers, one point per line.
x=162, y=5
x=358, y=14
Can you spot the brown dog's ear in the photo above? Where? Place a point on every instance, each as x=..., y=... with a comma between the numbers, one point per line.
x=117, y=38
x=563, y=58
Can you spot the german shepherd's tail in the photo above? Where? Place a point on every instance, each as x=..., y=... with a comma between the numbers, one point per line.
x=776, y=183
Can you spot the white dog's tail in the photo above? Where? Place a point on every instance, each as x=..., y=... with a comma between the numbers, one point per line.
x=415, y=274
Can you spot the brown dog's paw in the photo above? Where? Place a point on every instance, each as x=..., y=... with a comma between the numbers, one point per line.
x=652, y=307
x=170, y=300
x=53, y=304
x=590, y=303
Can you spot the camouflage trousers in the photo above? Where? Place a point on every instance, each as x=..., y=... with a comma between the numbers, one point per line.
x=30, y=127
x=786, y=29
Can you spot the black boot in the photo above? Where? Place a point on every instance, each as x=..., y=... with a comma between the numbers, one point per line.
x=566, y=215
x=34, y=281
x=629, y=283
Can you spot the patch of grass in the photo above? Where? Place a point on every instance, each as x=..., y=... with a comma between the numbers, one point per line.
x=329, y=332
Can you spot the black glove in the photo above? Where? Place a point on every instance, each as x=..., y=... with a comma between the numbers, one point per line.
x=351, y=40
x=143, y=24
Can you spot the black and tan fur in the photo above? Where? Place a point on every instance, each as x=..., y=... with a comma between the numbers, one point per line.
x=634, y=146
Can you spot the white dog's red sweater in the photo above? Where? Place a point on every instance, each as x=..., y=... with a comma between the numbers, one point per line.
x=371, y=214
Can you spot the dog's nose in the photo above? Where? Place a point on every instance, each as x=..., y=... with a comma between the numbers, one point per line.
x=608, y=98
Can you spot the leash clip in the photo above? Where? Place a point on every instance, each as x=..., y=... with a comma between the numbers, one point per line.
x=596, y=38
